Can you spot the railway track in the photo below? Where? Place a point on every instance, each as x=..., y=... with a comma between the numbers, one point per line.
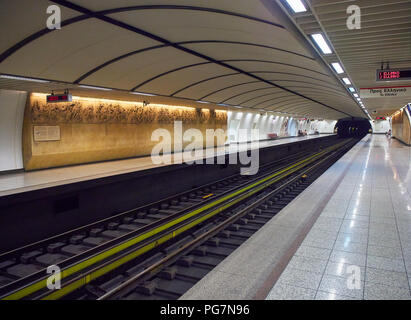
x=171, y=275
x=159, y=240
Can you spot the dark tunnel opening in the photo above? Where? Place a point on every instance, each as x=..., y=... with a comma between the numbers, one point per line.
x=353, y=127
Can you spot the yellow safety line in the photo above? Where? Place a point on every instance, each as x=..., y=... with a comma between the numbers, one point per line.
x=101, y=256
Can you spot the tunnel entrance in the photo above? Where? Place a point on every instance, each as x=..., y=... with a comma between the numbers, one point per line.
x=353, y=127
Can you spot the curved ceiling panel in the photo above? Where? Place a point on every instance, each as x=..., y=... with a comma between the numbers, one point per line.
x=283, y=82
x=242, y=7
x=276, y=103
x=135, y=70
x=17, y=15
x=228, y=49
x=261, y=100
x=205, y=86
x=71, y=55
x=274, y=66
x=173, y=81
x=248, y=94
x=187, y=25
x=223, y=95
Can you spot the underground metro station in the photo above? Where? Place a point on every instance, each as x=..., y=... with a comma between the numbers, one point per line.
x=205, y=150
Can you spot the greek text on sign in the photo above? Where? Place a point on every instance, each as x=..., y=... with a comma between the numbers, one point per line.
x=386, y=92
x=46, y=133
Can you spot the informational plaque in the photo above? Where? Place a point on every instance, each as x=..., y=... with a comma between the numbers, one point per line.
x=46, y=133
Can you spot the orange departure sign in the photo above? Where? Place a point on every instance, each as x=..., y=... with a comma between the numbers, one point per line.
x=393, y=74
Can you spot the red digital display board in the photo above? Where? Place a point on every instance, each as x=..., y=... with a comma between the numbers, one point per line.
x=59, y=98
x=393, y=74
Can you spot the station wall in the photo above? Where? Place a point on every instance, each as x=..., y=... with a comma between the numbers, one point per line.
x=12, y=104
x=240, y=125
x=401, y=126
x=324, y=126
x=380, y=126
x=94, y=130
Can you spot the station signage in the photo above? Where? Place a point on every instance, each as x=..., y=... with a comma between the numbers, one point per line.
x=393, y=75
x=386, y=92
x=66, y=97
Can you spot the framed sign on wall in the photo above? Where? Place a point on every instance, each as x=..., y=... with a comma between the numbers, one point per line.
x=46, y=133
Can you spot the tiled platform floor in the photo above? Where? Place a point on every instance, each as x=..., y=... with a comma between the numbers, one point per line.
x=366, y=223
x=27, y=181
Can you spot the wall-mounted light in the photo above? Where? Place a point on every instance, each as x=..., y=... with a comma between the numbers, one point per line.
x=6, y=76
x=95, y=88
x=142, y=94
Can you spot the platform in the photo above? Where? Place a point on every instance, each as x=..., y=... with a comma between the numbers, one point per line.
x=28, y=181
x=358, y=213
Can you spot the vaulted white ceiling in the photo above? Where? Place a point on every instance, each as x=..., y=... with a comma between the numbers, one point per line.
x=220, y=51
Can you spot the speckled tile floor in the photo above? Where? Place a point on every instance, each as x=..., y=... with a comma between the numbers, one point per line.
x=360, y=246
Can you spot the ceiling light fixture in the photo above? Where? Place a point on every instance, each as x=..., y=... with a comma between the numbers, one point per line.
x=347, y=81
x=351, y=89
x=337, y=67
x=5, y=76
x=95, y=88
x=199, y=101
x=297, y=6
x=321, y=43
x=356, y=95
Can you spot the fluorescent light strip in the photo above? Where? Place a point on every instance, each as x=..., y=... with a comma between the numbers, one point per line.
x=351, y=89
x=337, y=67
x=321, y=43
x=356, y=95
x=143, y=94
x=93, y=87
x=347, y=81
x=5, y=76
x=199, y=101
x=297, y=6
